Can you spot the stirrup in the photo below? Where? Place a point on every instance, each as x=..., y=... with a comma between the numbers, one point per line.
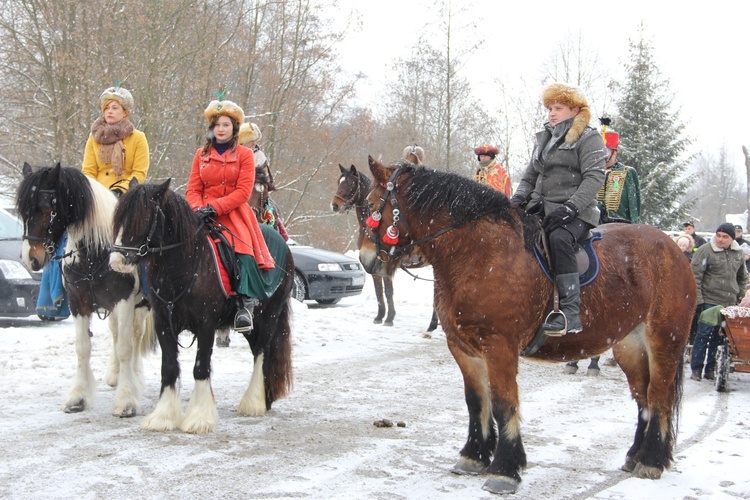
x=556, y=333
x=243, y=328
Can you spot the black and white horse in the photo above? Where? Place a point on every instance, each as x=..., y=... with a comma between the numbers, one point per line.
x=51, y=201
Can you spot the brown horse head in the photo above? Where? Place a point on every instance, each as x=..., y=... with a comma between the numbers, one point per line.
x=352, y=190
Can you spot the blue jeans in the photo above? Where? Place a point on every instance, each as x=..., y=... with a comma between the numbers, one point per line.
x=705, y=345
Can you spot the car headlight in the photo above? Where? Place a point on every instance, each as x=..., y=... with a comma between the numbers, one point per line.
x=14, y=270
x=329, y=266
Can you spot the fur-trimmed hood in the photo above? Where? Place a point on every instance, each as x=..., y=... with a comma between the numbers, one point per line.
x=570, y=96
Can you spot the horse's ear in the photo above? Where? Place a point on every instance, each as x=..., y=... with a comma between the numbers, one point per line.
x=133, y=183
x=341, y=167
x=353, y=170
x=54, y=174
x=161, y=190
x=27, y=170
x=379, y=172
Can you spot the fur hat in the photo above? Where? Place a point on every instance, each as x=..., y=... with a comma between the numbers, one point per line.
x=224, y=108
x=571, y=97
x=119, y=94
x=416, y=151
x=249, y=132
x=486, y=149
x=726, y=227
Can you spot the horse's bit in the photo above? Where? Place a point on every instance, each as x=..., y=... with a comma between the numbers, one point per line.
x=49, y=244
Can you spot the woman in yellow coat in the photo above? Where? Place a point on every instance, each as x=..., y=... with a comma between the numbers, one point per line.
x=116, y=152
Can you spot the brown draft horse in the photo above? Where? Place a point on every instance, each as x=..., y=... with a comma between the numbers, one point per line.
x=352, y=191
x=491, y=296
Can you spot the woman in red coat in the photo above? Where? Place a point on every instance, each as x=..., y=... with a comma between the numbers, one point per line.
x=220, y=183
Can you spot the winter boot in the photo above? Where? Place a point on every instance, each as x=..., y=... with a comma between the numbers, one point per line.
x=243, y=320
x=570, y=302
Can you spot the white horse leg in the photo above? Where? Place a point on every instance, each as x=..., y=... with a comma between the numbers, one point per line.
x=81, y=395
x=114, y=362
x=201, y=416
x=129, y=387
x=167, y=416
x=253, y=403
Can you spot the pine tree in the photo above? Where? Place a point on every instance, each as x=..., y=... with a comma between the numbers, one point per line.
x=652, y=138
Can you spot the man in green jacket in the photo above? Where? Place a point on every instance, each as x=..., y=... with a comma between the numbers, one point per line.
x=720, y=275
x=619, y=200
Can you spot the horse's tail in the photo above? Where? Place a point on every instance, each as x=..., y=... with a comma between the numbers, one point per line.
x=143, y=329
x=277, y=365
x=678, y=391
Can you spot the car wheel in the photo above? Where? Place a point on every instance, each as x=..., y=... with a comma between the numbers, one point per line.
x=299, y=290
x=47, y=318
x=328, y=301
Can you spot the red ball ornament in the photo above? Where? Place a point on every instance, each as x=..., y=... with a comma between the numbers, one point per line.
x=373, y=220
x=391, y=236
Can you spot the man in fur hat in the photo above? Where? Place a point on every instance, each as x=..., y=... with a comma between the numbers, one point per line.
x=490, y=172
x=560, y=184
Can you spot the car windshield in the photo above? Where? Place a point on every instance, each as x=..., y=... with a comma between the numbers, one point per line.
x=10, y=227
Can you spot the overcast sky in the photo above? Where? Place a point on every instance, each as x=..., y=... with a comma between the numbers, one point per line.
x=702, y=49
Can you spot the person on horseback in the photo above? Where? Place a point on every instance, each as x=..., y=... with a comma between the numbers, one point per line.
x=266, y=209
x=560, y=184
x=620, y=198
x=116, y=152
x=414, y=154
x=490, y=172
x=219, y=186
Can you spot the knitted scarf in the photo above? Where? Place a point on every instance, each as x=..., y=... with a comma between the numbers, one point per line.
x=110, y=138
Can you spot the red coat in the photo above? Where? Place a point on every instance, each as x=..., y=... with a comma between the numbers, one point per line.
x=225, y=182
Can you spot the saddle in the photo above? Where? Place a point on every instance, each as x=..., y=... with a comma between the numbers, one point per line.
x=588, y=262
x=225, y=260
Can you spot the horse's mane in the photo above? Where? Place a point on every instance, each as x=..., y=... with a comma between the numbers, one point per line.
x=180, y=221
x=461, y=200
x=83, y=205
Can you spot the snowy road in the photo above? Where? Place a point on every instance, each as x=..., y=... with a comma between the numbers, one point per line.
x=321, y=442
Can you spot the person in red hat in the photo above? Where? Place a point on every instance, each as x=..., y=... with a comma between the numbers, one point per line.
x=490, y=172
x=619, y=200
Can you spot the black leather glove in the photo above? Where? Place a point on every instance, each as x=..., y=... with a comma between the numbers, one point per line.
x=206, y=213
x=517, y=201
x=560, y=216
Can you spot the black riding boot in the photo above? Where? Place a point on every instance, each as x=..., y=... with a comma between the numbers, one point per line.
x=570, y=302
x=243, y=320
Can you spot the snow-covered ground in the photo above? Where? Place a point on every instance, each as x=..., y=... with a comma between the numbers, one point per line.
x=321, y=442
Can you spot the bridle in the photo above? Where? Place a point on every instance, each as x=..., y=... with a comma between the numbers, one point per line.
x=48, y=242
x=137, y=253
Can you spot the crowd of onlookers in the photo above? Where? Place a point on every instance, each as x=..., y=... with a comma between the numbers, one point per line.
x=720, y=268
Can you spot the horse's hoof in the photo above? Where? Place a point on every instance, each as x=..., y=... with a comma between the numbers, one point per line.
x=377, y=321
x=570, y=370
x=646, y=472
x=76, y=407
x=501, y=485
x=593, y=373
x=388, y=323
x=467, y=466
x=629, y=464
x=127, y=412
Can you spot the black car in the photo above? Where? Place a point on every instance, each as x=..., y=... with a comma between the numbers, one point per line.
x=19, y=288
x=324, y=276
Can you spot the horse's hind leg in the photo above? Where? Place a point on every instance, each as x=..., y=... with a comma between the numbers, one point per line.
x=655, y=375
x=130, y=385
x=388, y=285
x=81, y=395
x=201, y=416
x=480, y=444
x=377, y=281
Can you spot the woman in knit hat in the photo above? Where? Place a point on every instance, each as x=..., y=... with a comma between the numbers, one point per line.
x=220, y=183
x=560, y=184
x=116, y=152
